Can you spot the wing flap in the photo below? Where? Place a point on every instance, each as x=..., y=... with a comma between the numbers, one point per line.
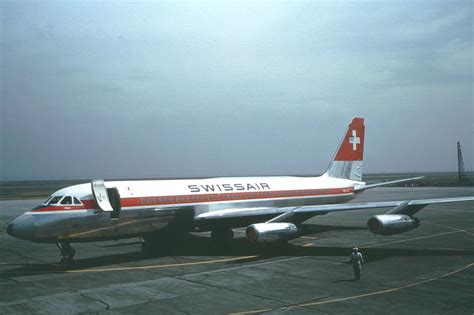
x=322, y=209
x=347, y=207
x=240, y=213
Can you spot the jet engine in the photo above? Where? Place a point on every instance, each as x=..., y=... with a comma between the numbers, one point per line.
x=390, y=224
x=270, y=232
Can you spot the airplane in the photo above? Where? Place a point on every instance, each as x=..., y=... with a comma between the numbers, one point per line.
x=271, y=208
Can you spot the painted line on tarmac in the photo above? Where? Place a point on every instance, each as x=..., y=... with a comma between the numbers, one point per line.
x=377, y=292
x=360, y=295
x=387, y=290
x=417, y=238
x=208, y=262
x=449, y=210
x=194, y=263
x=449, y=227
x=253, y=312
x=239, y=267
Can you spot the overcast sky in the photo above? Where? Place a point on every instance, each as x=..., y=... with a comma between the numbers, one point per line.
x=148, y=90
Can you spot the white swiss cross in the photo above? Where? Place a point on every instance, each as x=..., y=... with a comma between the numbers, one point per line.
x=354, y=140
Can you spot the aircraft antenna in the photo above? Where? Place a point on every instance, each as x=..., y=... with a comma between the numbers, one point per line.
x=460, y=164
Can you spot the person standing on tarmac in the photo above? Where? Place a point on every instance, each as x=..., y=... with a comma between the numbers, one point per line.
x=356, y=260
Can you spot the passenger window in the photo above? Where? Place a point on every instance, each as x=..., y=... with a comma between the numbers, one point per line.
x=76, y=201
x=66, y=201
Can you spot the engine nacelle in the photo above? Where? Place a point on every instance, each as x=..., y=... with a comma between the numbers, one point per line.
x=390, y=224
x=270, y=232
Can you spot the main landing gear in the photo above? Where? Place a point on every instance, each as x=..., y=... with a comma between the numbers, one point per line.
x=67, y=252
x=159, y=244
x=222, y=236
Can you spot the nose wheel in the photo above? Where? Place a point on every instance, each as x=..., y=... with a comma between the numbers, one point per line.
x=66, y=251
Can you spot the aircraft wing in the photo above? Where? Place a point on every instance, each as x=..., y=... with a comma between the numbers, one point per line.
x=408, y=207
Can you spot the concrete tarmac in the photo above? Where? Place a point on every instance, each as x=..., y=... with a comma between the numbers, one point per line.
x=429, y=270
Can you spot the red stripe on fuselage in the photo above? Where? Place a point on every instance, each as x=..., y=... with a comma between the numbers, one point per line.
x=86, y=204
x=205, y=198
x=58, y=208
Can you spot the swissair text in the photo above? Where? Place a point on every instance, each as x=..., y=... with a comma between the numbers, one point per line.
x=228, y=187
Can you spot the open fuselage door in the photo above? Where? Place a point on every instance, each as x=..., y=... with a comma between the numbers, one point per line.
x=108, y=199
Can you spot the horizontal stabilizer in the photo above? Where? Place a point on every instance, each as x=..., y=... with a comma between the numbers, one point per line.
x=364, y=187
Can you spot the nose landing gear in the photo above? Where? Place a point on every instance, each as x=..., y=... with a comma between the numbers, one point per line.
x=67, y=252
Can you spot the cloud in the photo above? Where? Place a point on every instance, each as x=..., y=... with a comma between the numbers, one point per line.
x=206, y=89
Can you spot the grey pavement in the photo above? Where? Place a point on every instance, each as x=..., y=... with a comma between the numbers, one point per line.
x=428, y=270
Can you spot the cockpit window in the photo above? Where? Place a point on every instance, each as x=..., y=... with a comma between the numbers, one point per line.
x=55, y=200
x=76, y=201
x=67, y=200
x=47, y=200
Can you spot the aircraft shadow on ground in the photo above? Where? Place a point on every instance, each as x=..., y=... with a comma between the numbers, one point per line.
x=196, y=245
x=310, y=229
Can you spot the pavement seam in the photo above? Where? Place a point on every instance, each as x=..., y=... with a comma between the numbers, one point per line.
x=311, y=304
x=107, y=306
x=388, y=290
x=181, y=277
x=230, y=289
x=14, y=280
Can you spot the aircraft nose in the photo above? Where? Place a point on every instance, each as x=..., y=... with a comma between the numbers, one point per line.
x=22, y=227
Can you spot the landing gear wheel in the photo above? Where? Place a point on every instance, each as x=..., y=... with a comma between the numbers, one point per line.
x=159, y=244
x=67, y=252
x=147, y=248
x=222, y=237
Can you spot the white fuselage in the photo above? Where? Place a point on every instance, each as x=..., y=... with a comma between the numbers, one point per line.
x=148, y=206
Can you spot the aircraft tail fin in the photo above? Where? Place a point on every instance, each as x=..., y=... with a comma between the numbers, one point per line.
x=347, y=163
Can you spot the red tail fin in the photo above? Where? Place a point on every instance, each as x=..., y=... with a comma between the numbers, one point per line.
x=352, y=146
x=347, y=162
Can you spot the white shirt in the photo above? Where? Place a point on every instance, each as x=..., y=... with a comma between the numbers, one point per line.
x=357, y=259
